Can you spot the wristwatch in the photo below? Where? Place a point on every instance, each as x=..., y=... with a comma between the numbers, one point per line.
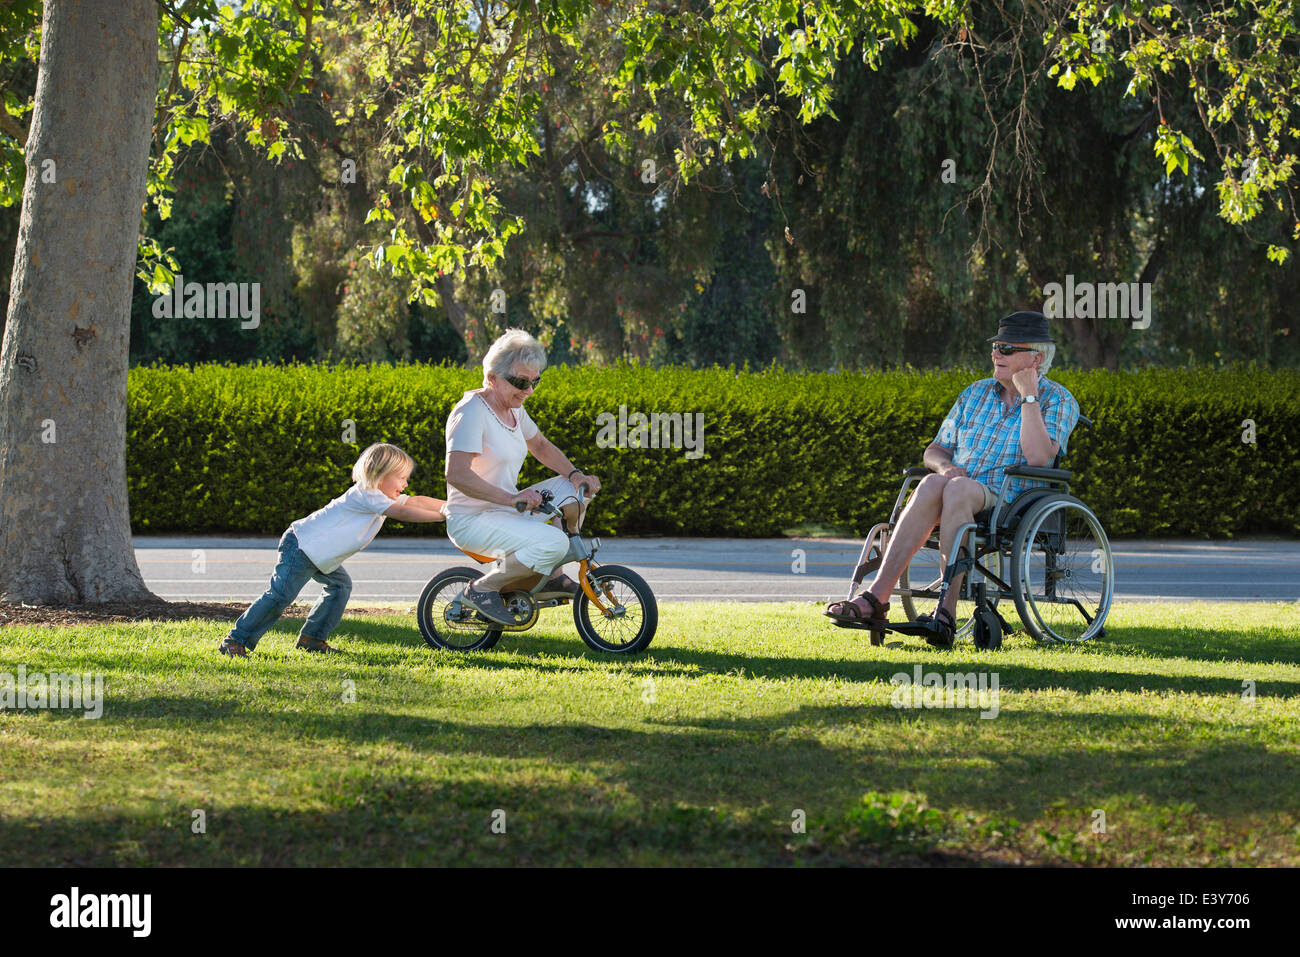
x=1027, y=399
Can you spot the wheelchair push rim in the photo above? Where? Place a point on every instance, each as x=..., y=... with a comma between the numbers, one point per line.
x=1065, y=574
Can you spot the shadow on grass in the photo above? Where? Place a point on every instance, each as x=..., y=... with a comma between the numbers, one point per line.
x=1206, y=644
x=1209, y=643
x=1016, y=767
x=655, y=787
x=387, y=820
x=535, y=652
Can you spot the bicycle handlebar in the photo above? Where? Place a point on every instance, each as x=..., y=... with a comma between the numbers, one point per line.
x=584, y=490
x=546, y=500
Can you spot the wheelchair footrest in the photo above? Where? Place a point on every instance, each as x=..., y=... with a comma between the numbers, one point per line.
x=932, y=634
x=877, y=634
x=917, y=629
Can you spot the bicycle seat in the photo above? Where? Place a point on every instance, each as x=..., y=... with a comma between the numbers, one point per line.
x=481, y=559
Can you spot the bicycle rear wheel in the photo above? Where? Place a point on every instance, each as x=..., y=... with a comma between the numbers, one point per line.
x=445, y=623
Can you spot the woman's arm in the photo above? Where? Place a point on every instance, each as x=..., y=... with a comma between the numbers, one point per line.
x=546, y=452
x=468, y=481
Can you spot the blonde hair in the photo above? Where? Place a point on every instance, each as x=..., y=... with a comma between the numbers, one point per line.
x=513, y=345
x=377, y=462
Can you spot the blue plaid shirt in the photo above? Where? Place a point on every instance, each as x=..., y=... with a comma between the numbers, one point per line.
x=984, y=438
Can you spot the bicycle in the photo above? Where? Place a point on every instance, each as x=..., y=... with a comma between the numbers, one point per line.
x=625, y=616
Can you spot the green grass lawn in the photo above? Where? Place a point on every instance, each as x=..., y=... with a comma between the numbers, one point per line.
x=701, y=751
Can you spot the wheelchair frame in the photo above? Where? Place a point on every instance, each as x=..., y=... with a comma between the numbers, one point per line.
x=1002, y=534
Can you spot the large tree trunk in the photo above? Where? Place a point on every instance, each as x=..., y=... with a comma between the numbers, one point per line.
x=472, y=329
x=65, y=533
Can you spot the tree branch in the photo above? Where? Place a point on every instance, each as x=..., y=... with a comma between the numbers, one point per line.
x=11, y=126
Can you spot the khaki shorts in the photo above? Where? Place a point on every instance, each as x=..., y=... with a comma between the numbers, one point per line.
x=990, y=497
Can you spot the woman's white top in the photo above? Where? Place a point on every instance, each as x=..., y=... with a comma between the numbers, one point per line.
x=331, y=535
x=499, y=450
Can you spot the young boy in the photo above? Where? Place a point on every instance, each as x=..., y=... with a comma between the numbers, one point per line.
x=316, y=547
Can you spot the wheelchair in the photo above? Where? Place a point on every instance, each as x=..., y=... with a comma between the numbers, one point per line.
x=1045, y=551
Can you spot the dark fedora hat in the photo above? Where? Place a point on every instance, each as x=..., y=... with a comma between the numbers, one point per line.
x=1023, y=327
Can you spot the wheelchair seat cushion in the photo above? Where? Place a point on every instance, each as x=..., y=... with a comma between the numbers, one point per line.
x=1013, y=513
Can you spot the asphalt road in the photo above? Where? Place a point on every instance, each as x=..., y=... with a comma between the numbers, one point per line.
x=709, y=569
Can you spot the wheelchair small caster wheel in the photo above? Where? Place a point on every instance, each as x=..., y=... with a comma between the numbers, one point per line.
x=987, y=632
x=877, y=636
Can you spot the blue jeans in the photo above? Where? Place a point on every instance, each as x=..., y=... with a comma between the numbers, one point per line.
x=292, y=571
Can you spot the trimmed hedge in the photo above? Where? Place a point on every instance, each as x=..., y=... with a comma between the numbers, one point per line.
x=251, y=448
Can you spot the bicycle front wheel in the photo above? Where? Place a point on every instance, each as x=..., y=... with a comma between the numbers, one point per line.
x=631, y=615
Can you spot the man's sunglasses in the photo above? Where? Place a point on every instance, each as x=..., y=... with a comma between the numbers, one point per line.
x=519, y=382
x=1006, y=349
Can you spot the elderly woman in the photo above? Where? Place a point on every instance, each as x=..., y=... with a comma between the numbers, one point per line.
x=488, y=436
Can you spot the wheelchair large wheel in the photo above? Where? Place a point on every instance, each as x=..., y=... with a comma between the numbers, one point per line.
x=634, y=613
x=1062, y=571
x=444, y=623
x=926, y=574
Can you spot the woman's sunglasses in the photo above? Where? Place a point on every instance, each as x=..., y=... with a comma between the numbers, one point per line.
x=519, y=382
x=1006, y=349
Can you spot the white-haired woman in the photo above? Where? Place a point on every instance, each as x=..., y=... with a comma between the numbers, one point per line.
x=489, y=434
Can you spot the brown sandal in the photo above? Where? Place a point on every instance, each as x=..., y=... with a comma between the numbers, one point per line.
x=851, y=611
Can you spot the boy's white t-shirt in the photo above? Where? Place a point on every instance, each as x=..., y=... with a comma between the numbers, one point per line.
x=499, y=450
x=331, y=535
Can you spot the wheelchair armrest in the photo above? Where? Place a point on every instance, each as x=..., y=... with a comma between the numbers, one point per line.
x=1035, y=472
x=919, y=471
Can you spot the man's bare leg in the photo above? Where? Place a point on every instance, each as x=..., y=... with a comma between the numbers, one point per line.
x=919, y=517
x=962, y=498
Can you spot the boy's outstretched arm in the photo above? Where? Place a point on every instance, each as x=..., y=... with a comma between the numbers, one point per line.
x=409, y=512
x=424, y=501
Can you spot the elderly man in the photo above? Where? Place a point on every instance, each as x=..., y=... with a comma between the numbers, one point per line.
x=1016, y=417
